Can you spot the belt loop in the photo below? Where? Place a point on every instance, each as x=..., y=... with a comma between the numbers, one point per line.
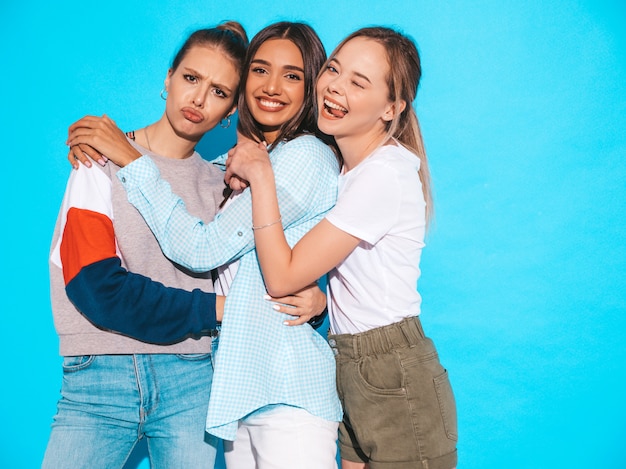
x=387, y=339
x=418, y=327
x=408, y=332
x=381, y=341
x=356, y=347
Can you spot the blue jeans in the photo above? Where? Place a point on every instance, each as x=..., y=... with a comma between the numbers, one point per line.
x=109, y=402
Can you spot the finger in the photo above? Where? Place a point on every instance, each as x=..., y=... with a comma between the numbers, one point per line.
x=86, y=153
x=80, y=135
x=86, y=121
x=93, y=154
x=301, y=313
x=76, y=155
x=72, y=159
x=235, y=184
x=287, y=300
x=295, y=322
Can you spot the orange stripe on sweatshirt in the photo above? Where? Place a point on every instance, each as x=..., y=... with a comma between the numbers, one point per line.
x=88, y=237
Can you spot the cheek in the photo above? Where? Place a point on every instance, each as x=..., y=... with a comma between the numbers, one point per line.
x=297, y=102
x=320, y=85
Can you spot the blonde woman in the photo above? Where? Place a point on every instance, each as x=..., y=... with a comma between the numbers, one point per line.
x=399, y=410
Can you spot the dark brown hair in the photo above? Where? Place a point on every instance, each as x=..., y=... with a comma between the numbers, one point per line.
x=313, y=55
x=228, y=37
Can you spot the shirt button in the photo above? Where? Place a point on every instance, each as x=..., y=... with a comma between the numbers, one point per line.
x=239, y=233
x=123, y=179
x=332, y=342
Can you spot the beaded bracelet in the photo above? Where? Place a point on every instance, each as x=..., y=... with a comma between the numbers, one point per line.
x=254, y=228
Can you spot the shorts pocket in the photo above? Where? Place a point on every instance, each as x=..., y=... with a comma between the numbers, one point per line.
x=447, y=404
x=77, y=363
x=382, y=374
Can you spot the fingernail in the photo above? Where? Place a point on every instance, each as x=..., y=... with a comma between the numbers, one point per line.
x=276, y=307
x=101, y=162
x=267, y=297
x=285, y=323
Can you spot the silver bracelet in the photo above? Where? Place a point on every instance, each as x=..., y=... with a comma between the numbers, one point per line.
x=254, y=228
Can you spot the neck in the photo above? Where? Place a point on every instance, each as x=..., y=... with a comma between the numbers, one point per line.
x=163, y=140
x=354, y=149
x=270, y=137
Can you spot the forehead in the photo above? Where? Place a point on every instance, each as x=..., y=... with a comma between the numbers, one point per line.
x=364, y=56
x=280, y=52
x=210, y=61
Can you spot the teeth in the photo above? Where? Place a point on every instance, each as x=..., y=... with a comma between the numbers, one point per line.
x=270, y=103
x=334, y=106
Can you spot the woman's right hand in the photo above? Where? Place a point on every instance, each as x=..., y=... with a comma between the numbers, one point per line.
x=247, y=160
x=100, y=139
x=84, y=154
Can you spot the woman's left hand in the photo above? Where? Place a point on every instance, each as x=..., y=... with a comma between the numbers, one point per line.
x=306, y=304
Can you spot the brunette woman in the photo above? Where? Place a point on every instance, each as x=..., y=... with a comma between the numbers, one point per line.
x=273, y=396
x=399, y=410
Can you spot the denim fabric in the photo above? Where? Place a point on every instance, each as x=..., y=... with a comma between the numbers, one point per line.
x=109, y=402
x=399, y=409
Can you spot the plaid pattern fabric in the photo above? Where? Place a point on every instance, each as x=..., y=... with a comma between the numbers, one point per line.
x=260, y=362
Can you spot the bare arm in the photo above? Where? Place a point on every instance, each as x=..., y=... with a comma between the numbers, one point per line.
x=284, y=270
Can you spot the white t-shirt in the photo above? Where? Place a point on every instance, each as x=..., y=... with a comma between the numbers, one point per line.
x=381, y=202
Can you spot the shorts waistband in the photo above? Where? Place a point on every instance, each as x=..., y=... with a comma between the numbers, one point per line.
x=379, y=340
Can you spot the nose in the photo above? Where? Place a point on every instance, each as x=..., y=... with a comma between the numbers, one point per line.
x=335, y=85
x=272, y=85
x=199, y=97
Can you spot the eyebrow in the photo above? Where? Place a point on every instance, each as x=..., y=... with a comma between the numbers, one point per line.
x=358, y=74
x=195, y=72
x=286, y=67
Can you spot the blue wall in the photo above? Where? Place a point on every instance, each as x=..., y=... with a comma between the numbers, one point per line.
x=523, y=109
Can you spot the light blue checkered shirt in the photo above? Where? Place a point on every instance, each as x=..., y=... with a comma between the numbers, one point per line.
x=260, y=361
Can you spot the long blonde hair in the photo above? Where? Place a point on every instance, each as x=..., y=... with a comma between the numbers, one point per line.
x=405, y=72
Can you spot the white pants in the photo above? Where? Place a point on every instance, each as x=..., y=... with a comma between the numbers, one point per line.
x=283, y=438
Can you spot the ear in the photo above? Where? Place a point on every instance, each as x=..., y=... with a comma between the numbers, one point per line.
x=394, y=109
x=167, y=79
x=232, y=111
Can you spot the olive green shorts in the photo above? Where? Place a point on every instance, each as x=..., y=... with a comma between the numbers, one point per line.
x=399, y=410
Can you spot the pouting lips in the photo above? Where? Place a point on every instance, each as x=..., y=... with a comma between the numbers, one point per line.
x=192, y=116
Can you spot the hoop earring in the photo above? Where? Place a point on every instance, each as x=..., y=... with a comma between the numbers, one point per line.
x=227, y=122
x=164, y=94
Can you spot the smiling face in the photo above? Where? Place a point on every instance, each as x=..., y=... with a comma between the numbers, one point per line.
x=275, y=85
x=352, y=93
x=201, y=91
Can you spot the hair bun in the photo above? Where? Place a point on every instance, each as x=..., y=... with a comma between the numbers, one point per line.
x=236, y=28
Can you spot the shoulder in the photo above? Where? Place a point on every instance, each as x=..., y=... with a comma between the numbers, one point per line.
x=397, y=156
x=209, y=167
x=309, y=150
x=390, y=160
